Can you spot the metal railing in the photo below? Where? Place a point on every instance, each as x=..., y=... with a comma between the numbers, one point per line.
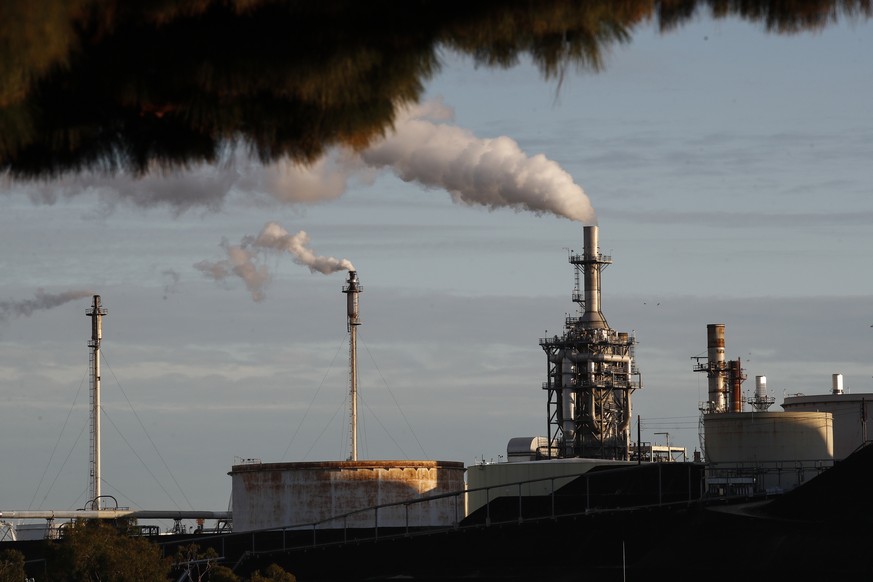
x=507, y=503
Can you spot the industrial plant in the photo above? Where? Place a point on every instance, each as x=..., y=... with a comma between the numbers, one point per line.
x=586, y=485
x=591, y=371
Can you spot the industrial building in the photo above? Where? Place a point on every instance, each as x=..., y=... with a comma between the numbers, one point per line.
x=756, y=452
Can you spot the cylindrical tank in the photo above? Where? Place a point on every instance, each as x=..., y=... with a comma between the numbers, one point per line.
x=768, y=436
x=850, y=416
x=274, y=495
x=784, y=448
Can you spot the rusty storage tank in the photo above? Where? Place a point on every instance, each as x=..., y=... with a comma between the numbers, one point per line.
x=337, y=494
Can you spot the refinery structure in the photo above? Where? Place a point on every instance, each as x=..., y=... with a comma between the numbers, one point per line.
x=591, y=372
x=587, y=466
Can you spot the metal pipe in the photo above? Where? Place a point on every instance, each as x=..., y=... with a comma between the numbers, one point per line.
x=568, y=404
x=115, y=513
x=577, y=356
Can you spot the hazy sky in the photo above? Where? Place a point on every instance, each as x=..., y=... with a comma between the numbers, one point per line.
x=731, y=175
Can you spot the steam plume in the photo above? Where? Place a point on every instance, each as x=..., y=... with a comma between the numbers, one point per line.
x=203, y=187
x=494, y=173
x=242, y=259
x=423, y=148
x=275, y=237
x=41, y=301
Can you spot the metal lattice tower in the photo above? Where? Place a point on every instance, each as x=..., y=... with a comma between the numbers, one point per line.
x=590, y=371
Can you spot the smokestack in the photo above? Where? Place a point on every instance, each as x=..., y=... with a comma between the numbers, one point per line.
x=592, y=262
x=351, y=289
x=837, y=383
x=715, y=354
x=96, y=313
x=760, y=401
x=761, y=386
x=735, y=369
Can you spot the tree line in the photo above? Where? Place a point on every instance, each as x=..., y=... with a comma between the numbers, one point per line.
x=101, y=551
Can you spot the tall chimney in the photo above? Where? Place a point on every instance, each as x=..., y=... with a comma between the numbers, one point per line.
x=592, y=263
x=715, y=354
x=351, y=289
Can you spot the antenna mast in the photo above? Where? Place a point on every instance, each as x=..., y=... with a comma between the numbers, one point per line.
x=96, y=313
x=351, y=290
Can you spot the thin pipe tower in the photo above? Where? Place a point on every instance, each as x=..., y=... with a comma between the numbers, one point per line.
x=96, y=313
x=352, y=289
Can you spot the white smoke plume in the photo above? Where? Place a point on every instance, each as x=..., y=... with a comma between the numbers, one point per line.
x=494, y=173
x=202, y=187
x=423, y=148
x=275, y=237
x=242, y=260
x=41, y=301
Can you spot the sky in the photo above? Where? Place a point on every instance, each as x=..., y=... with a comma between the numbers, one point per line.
x=730, y=174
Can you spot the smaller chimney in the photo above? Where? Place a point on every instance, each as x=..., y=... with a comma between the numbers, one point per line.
x=760, y=401
x=837, y=383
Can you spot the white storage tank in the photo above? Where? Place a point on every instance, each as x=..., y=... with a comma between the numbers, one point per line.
x=274, y=495
x=779, y=450
x=850, y=412
x=520, y=449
